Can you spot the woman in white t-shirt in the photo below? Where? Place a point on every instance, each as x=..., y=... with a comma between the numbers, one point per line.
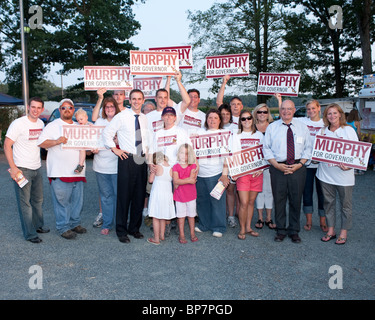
x=211, y=212
x=314, y=123
x=337, y=178
x=250, y=185
x=105, y=167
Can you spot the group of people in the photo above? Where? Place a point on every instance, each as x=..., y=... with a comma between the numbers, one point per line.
x=148, y=145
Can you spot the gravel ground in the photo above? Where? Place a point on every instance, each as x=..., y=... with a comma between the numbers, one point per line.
x=97, y=267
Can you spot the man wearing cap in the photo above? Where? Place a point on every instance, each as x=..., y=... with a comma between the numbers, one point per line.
x=66, y=186
x=130, y=126
x=23, y=155
x=170, y=137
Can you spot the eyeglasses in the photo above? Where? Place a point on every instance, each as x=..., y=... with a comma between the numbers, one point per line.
x=109, y=106
x=260, y=112
x=64, y=108
x=247, y=118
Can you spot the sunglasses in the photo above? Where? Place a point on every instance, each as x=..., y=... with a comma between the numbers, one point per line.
x=260, y=112
x=64, y=108
x=247, y=118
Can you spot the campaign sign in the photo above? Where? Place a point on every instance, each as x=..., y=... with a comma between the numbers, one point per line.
x=111, y=78
x=185, y=55
x=83, y=137
x=353, y=154
x=148, y=86
x=154, y=63
x=286, y=84
x=212, y=145
x=235, y=65
x=246, y=161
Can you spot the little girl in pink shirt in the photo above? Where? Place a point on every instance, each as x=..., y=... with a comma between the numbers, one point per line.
x=184, y=174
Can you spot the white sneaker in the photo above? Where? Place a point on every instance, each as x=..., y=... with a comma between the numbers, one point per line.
x=145, y=212
x=217, y=234
x=197, y=229
x=98, y=221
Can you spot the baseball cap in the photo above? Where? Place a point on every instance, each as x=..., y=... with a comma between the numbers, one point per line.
x=168, y=110
x=66, y=100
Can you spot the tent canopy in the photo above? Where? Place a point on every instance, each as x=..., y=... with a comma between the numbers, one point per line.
x=9, y=100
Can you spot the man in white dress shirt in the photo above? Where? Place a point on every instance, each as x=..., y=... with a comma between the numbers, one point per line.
x=132, y=167
x=287, y=174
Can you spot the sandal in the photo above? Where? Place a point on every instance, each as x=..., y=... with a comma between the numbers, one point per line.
x=151, y=240
x=340, y=241
x=259, y=224
x=324, y=227
x=267, y=223
x=182, y=240
x=253, y=233
x=194, y=239
x=241, y=236
x=78, y=169
x=328, y=237
x=308, y=226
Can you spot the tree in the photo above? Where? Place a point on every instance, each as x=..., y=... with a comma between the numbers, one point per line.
x=75, y=33
x=326, y=57
x=238, y=26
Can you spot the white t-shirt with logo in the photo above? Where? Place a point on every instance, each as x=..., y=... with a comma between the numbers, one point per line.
x=168, y=142
x=60, y=162
x=105, y=161
x=189, y=120
x=25, y=134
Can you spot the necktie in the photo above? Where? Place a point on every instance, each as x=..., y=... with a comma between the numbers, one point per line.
x=138, y=136
x=289, y=145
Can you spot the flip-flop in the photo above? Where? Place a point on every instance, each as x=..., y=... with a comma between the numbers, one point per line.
x=183, y=241
x=268, y=223
x=150, y=240
x=259, y=222
x=328, y=237
x=194, y=239
x=324, y=227
x=340, y=241
x=241, y=236
x=253, y=233
x=307, y=226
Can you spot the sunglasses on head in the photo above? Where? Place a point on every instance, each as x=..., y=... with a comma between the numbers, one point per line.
x=260, y=112
x=64, y=108
x=247, y=118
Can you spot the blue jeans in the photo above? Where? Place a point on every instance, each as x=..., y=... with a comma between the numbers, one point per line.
x=67, y=199
x=30, y=201
x=107, y=184
x=309, y=190
x=211, y=212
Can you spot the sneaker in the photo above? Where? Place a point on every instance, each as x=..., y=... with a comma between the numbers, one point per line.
x=69, y=235
x=197, y=229
x=217, y=234
x=232, y=222
x=98, y=221
x=104, y=231
x=145, y=212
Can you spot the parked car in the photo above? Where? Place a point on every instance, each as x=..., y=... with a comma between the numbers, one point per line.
x=88, y=107
x=300, y=112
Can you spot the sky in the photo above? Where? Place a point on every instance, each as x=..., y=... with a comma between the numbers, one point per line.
x=163, y=23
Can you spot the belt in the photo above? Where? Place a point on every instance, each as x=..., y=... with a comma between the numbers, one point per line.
x=295, y=161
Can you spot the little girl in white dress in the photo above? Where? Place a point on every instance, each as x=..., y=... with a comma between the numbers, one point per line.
x=160, y=205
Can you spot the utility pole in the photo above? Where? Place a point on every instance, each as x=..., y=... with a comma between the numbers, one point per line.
x=25, y=81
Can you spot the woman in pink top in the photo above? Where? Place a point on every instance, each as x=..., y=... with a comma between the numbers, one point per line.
x=185, y=193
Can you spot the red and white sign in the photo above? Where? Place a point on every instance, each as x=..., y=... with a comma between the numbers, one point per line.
x=83, y=137
x=353, y=154
x=154, y=63
x=286, y=84
x=111, y=78
x=246, y=161
x=148, y=86
x=185, y=55
x=212, y=145
x=235, y=65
